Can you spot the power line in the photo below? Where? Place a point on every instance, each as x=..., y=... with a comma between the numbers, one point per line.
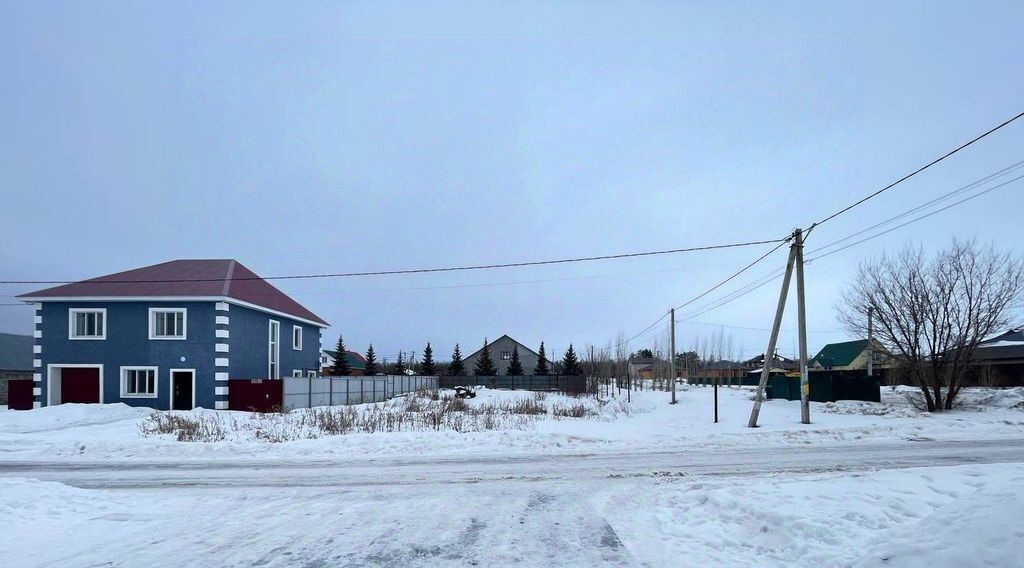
x=777, y=273
x=712, y=324
x=750, y=265
x=734, y=275
x=914, y=220
x=917, y=171
x=420, y=270
x=974, y=184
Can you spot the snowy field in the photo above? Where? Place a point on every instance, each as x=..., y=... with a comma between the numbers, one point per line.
x=626, y=484
x=91, y=432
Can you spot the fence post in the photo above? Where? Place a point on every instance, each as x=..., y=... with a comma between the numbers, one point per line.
x=347, y=397
x=362, y=391
x=330, y=391
x=310, y=395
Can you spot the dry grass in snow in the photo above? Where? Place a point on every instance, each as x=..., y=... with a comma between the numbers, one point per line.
x=417, y=412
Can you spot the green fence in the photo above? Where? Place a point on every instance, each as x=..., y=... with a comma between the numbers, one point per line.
x=825, y=386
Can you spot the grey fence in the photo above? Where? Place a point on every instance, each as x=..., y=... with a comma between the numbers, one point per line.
x=307, y=392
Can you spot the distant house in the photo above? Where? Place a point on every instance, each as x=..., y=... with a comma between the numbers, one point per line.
x=168, y=336
x=501, y=353
x=356, y=362
x=999, y=361
x=727, y=372
x=645, y=367
x=845, y=356
x=778, y=362
x=15, y=360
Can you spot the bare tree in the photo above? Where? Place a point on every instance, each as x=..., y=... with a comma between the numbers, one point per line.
x=931, y=313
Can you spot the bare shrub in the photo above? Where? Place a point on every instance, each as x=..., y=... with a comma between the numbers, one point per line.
x=574, y=410
x=183, y=428
x=417, y=412
x=528, y=406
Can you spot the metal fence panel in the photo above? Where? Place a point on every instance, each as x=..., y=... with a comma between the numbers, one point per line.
x=307, y=392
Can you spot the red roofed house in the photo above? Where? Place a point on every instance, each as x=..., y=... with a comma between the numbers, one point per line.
x=168, y=336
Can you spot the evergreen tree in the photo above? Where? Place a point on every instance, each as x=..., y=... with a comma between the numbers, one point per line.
x=341, y=367
x=515, y=368
x=542, y=362
x=400, y=365
x=570, y=364
x=371, y=362
x=485, y=365
x=427, y=366
x=456, y=367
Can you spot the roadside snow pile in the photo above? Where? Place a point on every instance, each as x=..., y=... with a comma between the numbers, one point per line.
x=68, y=416
x=859, y=407
x=417, y=412
x=981, y=399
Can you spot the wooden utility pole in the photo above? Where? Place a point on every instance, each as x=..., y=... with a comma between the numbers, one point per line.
x=672, y=354
x=871, y=345
x=801, y=316
x=772, y=339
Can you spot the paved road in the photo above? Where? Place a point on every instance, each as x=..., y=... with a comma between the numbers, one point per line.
x=479, y=469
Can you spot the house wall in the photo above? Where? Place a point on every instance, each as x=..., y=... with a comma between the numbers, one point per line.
x=527, y=357
x=127, y=343
x=250, y=347
x=223, y=341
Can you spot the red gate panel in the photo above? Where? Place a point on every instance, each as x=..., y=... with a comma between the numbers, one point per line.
x=19, y=394
x=79, y=384
x=255, y=395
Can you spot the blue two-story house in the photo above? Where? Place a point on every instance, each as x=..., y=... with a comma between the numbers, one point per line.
x=168, y=336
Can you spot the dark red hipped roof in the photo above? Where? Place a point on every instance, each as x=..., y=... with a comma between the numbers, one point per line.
x=185, y=278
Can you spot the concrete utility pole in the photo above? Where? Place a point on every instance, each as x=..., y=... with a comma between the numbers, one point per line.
x=772, y=339
x=672, y=354
x=801, y=316
x=871, y=346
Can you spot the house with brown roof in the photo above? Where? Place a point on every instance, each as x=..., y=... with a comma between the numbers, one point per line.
x=168, y=336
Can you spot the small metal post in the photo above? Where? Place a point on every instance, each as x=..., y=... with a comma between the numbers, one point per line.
x=716, y=400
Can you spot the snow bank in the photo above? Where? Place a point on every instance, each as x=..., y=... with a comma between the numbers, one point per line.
x=65, y=416
x=648, y=421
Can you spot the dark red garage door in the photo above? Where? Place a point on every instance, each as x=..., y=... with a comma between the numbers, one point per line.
x=79, y=385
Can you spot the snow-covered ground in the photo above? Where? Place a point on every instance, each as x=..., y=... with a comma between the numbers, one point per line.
x=643, y=484
x=107, y=432
x=935, y=517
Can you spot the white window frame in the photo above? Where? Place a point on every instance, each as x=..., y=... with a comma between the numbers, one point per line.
x=311, y=374
x=273, y=350
x=184, y=324
x=124, y=381
x=503, y=356
x=297, y=345
x=296, y=373
x=72, y=312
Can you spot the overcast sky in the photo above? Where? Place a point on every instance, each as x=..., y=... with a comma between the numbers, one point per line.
x=374, y=136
